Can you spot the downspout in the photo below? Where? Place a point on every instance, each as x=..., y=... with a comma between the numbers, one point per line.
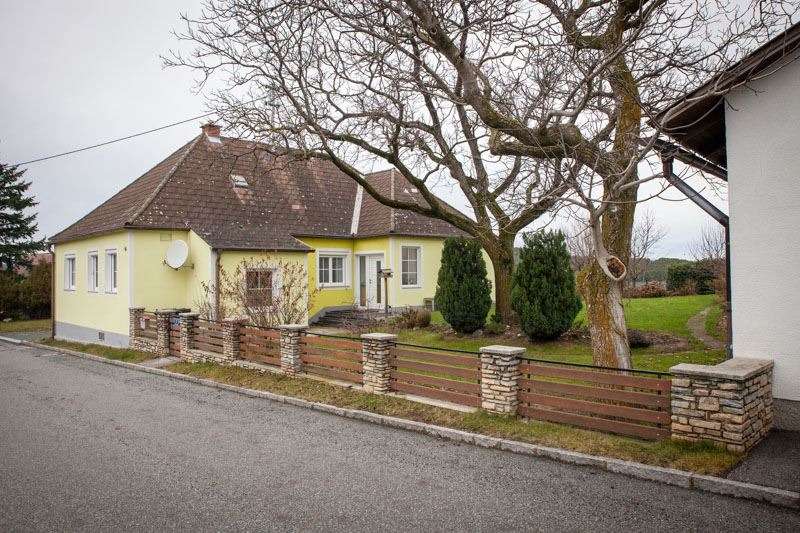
x=215, y=253
x=52, y=291
x=724, y=221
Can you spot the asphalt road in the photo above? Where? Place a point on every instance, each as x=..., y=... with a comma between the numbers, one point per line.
x=89, y=446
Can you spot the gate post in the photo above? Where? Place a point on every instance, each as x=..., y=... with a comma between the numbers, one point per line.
x=231, y=331
x=375, y=351
x=163, y=317
x=187, y=333
x=291, y=350
x=499, y=378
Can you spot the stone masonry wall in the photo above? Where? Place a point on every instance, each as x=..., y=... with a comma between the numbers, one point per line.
x=730, y=403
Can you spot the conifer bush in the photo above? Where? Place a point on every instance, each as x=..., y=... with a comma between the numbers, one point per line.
x=463, y=293
x=543, y=291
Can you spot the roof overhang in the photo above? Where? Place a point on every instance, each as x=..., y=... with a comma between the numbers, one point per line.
x=697, y=121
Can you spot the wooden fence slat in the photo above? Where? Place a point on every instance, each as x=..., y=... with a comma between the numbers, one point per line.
x=607, y=409
x=437, y=357
x=208, y=340
x=601, y=393
x=468, y=373
x=208, y=347
x=595, y=376
x=333, y=373
x=345, y=344
x=599, y=424
x=334, y=363
x=261, y=358
x=438, y=394
x=460, y=386
x=334, y=354
x=263, y=333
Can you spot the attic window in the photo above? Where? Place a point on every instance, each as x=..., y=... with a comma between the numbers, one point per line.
x=239, y=180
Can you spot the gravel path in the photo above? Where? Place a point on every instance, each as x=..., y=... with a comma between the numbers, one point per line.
x=697, y=327
x=89, y=446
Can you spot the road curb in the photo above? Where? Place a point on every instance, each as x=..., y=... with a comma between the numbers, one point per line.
x=668, y=476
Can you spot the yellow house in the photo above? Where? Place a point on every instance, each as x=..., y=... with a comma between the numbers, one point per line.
x=233, y=203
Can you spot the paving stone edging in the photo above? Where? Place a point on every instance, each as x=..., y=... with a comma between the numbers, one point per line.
x=668, y=476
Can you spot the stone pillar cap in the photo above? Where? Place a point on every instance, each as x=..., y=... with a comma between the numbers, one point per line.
x=292, y=327
x=136, y=308
x=238, y=320
x=379, y=336
x=499, y=349
x=189, y=315
x=736, y=369
x=168, y=311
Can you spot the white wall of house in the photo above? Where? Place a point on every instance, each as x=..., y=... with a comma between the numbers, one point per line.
x=763, y=146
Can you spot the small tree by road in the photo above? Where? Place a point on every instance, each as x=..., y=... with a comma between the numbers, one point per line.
x=17, y=223
x=544, y=295
x=463, y=294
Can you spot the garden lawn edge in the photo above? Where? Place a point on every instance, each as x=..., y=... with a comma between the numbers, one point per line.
x=667, y=476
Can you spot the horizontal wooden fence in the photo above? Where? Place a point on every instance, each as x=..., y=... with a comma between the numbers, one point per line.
x=332, y=357
x=617, y=401
x=438, y=374
x=148, y=325
x=207, y=336
x=261, y=345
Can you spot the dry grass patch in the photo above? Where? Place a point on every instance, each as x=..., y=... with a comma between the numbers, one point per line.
x=704, y=458
x=118, y=354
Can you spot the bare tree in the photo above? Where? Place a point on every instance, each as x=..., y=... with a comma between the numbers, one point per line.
x=647, y=233
x=709, y=246
x=276, y=293
x=523, y=106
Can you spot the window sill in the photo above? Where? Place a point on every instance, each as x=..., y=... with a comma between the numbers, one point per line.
x=331, y=286
x=111, y=292
x=410, y=286
x=69, y=290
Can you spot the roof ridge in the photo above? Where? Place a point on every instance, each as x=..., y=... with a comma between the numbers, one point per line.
x=163, y=182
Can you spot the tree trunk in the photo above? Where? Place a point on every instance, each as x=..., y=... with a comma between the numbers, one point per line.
x=501, y=253
x=605, y=313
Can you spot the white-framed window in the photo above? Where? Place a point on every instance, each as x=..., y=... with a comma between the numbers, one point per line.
x=92, y=271
x=111, y=271
x=409, y=266
x=69, y=272
x=258, y=287
x=332, y=270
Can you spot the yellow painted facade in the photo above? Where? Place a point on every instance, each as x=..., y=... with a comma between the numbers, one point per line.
x=145, y=281
x=102, y=310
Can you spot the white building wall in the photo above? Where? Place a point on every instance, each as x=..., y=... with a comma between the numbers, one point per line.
x=763, y=147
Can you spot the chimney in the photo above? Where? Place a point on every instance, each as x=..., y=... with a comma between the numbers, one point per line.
x=211, y=130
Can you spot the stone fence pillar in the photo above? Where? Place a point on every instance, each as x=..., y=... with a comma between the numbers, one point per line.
x=187, y=333
x=376, y=349
x=291, y=348
x=231, y=333
x=729, y=403
x=499, y=378
x=163, y=317
x=135, y=315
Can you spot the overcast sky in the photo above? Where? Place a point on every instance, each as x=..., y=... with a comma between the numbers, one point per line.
x=81, y=72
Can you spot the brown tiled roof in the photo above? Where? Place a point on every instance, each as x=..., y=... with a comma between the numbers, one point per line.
x=286, y=197
x=378, y=219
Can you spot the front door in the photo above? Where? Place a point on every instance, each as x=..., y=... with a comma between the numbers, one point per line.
x=370, y=288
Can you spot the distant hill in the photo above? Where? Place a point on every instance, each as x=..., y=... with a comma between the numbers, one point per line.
x=657, y=268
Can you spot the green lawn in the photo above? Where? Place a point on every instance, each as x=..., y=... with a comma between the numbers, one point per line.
x=25, y=325
x=712, y=322
x=667, y=314
x=648, y=314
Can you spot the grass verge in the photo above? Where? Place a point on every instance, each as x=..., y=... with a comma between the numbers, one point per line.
x=712, y=322
x=118, y=354
x=25, y=325
x=704, y=458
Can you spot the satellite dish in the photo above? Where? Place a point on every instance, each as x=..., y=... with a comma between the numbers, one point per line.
x=177, y=254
